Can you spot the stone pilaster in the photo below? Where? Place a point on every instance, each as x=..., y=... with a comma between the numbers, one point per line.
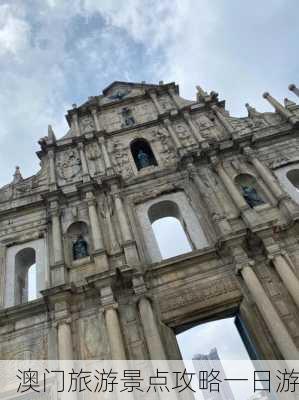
x=75, y=123
x=174, y=97
x=153, y=96
x=114, y=330
x=223, y=120
x=106, y=157
x=85, y=171
x=195, y=132
x=271, y=317
x=58, y=271
x=128, y=243
x=148, y=321
x=100, y=255
x=215, y=209
x=52, y=172
x=172, y=133
x=96, y=120
x=288, y=206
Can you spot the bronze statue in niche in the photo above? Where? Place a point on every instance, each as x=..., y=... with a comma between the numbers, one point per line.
x=80, y=248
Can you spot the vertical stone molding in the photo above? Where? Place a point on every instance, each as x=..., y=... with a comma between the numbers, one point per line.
x=52, y=172
x=174, y=97
x=129, y=245
x=172, y=133
x=286, y=274
x=280, y=108
x=58, y=255
x=75, y=123
x=195, y=132
x=85, y=170
x=277, y=328
x=65, y=341
x=96, y=119
x=153, y=96
x=230, y=185
x=100, y=255
x=215, y=210
x=150, y=329
x=265, y=174
x=223, y=120
x=114, y=331
x=106, y=157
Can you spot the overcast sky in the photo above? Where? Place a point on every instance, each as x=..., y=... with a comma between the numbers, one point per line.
x=57, y=52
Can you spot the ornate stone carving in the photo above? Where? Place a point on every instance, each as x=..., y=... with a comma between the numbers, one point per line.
x=121, y=159
x=184, y=134
x=68, y=164
x=86, y=123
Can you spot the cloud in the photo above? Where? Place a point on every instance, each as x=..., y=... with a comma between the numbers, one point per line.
x=55, y=53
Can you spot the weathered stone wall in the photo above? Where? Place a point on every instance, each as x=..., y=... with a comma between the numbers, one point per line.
x=121, y=300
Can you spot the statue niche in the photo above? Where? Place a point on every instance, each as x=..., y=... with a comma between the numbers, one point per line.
x=250, y=190
x=80, y=248
x=78, y=238
x=142, y=154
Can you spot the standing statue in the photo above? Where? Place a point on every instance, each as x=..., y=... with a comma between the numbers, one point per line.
x=143, y=159
x=127, y=117
x=251, y=196
x=80, y=248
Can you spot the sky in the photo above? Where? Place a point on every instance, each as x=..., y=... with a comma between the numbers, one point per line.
x=54, y=53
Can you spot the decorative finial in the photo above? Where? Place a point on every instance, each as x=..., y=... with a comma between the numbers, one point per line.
x=74, y=105
x=293, y=88
x=289, y=103
x=51, y=134
x=17, y=176
x=161, y=82
x=251, y=110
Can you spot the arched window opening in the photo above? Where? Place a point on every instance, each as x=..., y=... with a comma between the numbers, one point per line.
x=142, y=154
x=250, y=190
x=293, y=177
x=169, y=229
x=26, y=276
x=79, y=240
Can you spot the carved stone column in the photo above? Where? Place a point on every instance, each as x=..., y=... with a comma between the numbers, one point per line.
x=280, y=109
x=75, y=122
x=195, y=132
x=286, y=274
x=174, y=97
x=52, y=172
x=223, y=119
x=85, y=171
x=100, y=255
x=173, y=134
x=128, y=242
x=65, y=341
x=294, y=89
x=291, y=209
x=150, y=329
x=114, y=330
x=153, y=96
x=107, y=210
x=96, y=119
x=58, y=272
x=230, y=185
x=277, y=328
x=106, y=157
x=212, y=203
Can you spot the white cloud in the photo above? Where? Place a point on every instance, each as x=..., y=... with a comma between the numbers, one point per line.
x=14, y=31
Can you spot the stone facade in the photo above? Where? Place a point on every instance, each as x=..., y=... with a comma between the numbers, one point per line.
x=132, y=155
